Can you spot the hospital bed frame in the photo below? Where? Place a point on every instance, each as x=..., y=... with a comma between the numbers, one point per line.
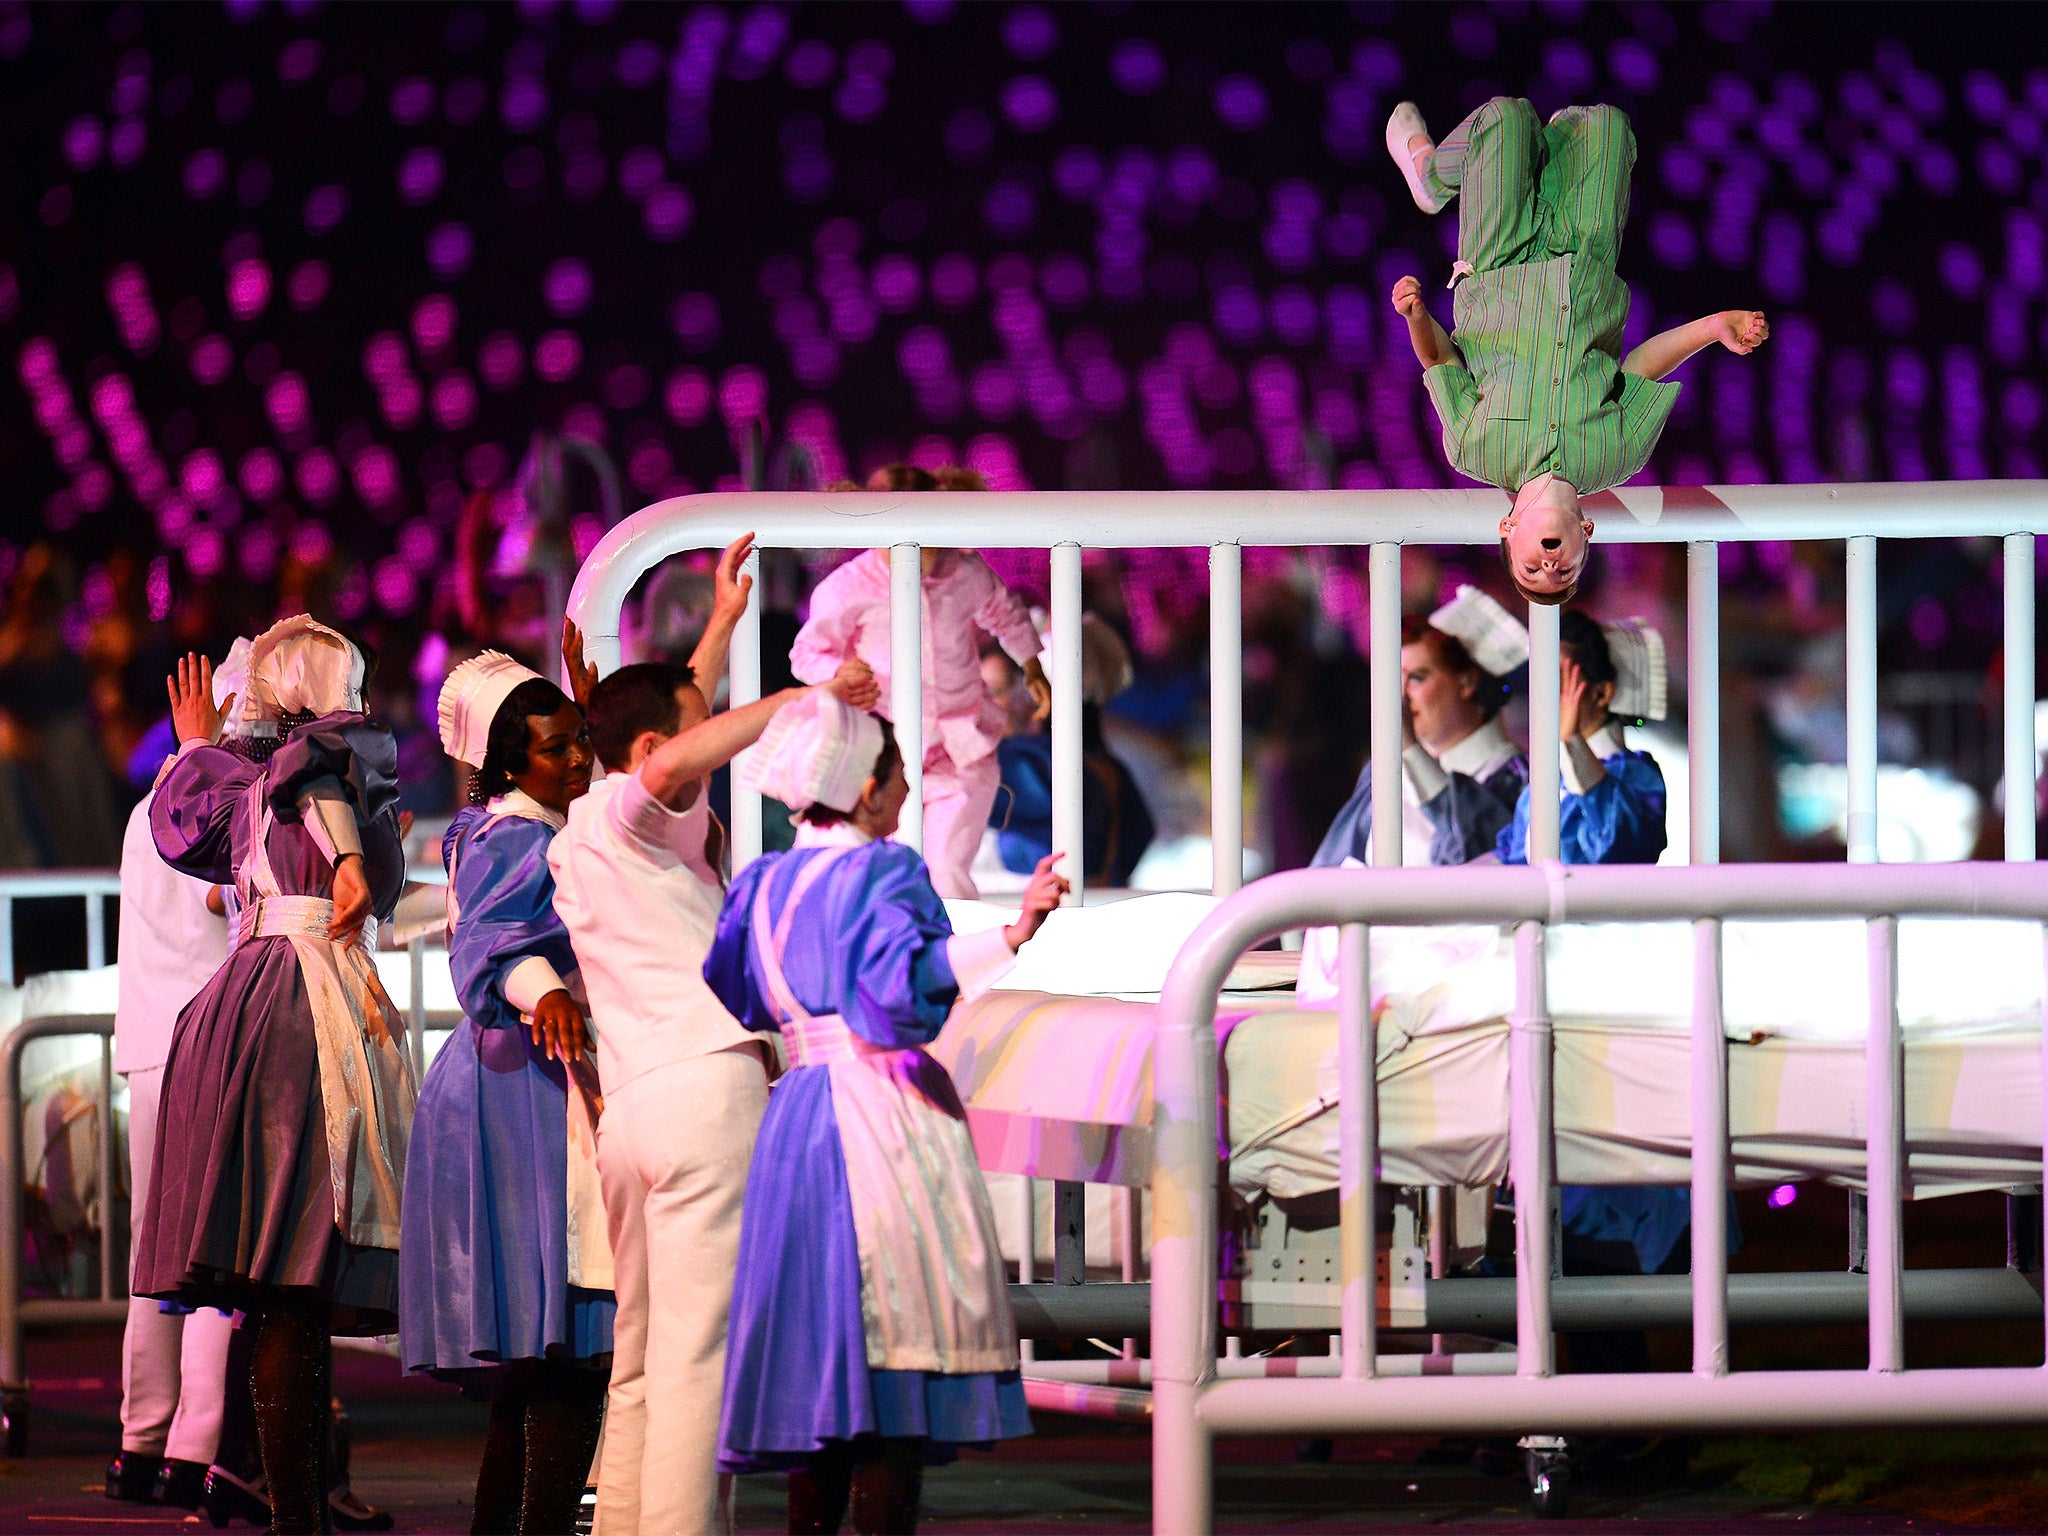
x=1197, y=1393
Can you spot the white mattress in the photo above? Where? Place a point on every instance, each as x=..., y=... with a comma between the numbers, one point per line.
x=1059, y=1085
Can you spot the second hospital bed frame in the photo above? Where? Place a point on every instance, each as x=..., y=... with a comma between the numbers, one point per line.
x=1196, y=1396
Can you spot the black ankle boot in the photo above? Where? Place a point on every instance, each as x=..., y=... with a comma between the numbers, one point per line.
x=228, y=1498
x=181, y=1484
x=131, y=1476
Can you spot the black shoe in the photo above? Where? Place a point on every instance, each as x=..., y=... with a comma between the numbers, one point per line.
x=227, y=1498
x=131, y=1476
x=181, y=1484
x=350, y=1513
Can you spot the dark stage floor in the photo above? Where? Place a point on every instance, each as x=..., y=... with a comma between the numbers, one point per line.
x=416, y=1448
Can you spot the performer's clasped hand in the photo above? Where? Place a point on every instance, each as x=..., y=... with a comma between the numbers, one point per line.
x=854, y=685
x=1741, y=331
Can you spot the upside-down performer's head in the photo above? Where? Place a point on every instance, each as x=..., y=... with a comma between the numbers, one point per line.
x=1543, y=540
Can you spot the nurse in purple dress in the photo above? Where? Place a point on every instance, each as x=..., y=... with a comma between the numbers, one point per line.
x=506, y=1263
x=287, y=1097
x=871, y=1326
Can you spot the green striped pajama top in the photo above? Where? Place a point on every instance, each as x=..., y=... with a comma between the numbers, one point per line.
x=1540, y=389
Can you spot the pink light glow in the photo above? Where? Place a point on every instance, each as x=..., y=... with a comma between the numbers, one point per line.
x=401, y=401
x=418, y=544
x=256, y=552
x=248, y=288
x=308, y=285
x=94, y=487
x=650, y=465
x=396, y=587
x=384, y=357
x=212, y=359
x=289, y=403
x=454, y=400
x=318, y=476
x=433, y=323
x=261, y=474
x=202, y=478
x=557, y=356
x=205, y=553
x=311, y=542
x=687, y=397
x=742, y=395
x=375, y=471
x=1783, y=1196
x=501, y=360
x=128, y=299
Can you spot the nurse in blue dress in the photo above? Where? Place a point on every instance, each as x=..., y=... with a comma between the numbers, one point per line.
x=871, y=1326
x=1460, y=774
x=505, y=1267
x=1613, y=808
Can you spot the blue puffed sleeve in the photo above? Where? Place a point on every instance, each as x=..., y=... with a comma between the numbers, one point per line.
x=1620, y=820
x=192, y=813
x=868, y=944
x=505, y=911
x=1350, y=834
x=1470, y=814
x=899, y=985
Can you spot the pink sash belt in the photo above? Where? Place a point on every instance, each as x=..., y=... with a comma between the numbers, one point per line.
x=821, y=1039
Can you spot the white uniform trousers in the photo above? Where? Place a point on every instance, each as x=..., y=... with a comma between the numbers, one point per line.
x=957, y=801
x=672, y=1151
x=173, y=1365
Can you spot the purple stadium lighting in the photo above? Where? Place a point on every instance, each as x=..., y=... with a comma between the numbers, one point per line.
x=307, y=285
x=1137, y=67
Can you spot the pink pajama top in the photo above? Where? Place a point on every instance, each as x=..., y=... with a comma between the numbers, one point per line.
x=963, y=600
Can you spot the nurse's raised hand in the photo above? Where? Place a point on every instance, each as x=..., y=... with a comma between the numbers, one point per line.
x=1048, y=888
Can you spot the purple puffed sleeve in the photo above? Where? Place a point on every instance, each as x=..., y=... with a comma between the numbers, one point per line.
x=192, y=813
x=354, y=751
x=361, y=757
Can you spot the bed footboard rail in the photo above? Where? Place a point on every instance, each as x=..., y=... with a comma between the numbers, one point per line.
x=1193, y=1401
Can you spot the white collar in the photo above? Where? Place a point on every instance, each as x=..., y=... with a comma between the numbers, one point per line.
x=519, y=803
x=1485, y=746
x=1608, y=740
x=840, y=834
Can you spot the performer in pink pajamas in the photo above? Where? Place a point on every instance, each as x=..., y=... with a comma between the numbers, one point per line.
x=963, y=723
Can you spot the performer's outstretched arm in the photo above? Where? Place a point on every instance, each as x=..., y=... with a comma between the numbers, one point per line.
x=1741, y=331
x=1432, y=344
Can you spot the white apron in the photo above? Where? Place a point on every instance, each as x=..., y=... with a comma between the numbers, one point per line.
x=366, y=1085
x=934, y=1295
x=590, y=1243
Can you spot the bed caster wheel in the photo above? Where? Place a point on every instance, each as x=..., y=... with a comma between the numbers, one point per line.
x=1550, y=1483
x=14, y=1423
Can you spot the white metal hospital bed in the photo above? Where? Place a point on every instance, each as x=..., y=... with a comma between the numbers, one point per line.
x=1949, y=1097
